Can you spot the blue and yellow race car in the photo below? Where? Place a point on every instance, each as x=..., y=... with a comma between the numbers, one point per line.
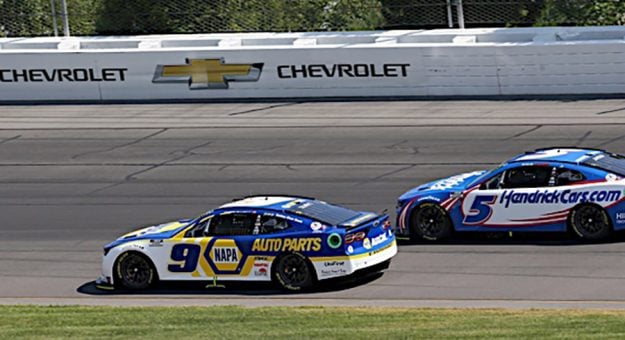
x=552, y=190
x=293, y=241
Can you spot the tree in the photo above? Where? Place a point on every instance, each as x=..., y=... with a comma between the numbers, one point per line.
x=82, y=15
x=582, y=12
x=122, y=17
x=22, y=18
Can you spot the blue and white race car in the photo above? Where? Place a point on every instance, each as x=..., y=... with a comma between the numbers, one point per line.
x=553, y=189
x=293, y=241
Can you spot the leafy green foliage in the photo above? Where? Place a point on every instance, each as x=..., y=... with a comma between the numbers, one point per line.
x=25, y=17
x=582, y=13
x=202, y=16
x=124, y=17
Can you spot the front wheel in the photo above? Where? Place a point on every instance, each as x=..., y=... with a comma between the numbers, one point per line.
x=590, y=222
x=135, y=271
x=431, y=222
x=292, y=272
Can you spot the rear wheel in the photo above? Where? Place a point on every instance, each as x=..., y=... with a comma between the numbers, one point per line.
x=431, y=222
x=134, y=271
x=590, y=222
x=293, y=272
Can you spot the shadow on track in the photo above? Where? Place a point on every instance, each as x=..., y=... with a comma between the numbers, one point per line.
x=231, y=287
x=524, y=238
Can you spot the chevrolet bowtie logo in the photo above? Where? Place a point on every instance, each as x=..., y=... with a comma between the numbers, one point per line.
x=207, y=73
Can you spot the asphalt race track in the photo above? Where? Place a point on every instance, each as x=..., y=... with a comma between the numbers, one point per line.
x=75, y=177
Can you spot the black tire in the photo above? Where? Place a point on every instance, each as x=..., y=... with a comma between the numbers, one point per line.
x=293, y=272
x=134, y=271
x=431, y=222
x=590, y=222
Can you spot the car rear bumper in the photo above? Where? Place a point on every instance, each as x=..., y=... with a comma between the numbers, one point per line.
x=331, y=267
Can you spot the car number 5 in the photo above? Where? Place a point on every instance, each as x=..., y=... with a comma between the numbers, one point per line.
x=481, y=209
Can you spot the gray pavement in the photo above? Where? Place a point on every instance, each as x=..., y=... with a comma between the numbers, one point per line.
x=75, y=177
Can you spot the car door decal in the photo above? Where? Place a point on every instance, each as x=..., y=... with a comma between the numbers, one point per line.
x=188, y=254
x=481, y=210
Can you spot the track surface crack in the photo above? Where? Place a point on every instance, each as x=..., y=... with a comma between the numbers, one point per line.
x=139, y=140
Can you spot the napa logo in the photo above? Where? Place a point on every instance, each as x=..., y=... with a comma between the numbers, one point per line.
x=225, y=255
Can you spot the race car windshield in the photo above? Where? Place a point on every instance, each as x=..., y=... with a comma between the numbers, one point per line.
x=323, y=212
x=484, y=176
x=609, y=162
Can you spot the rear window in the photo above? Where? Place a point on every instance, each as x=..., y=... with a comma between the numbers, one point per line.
x=323, y=212
x=609, y=162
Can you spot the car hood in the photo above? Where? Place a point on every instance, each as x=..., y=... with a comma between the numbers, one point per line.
x=155, y=232
x=452, y=183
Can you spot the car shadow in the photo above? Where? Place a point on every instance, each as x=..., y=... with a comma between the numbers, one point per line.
x=504, y=238
x=230, y=287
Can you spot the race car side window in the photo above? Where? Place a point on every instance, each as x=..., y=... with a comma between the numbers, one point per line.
x=236, y=224
x=492, y=183
x=566, y=176
x=527, y=177
x=271, y=224
x=201, y=229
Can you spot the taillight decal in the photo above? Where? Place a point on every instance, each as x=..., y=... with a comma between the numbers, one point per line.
x=386, y=225
x=351, y=238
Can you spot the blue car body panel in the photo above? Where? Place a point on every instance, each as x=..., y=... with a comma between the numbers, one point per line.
x=472, y=206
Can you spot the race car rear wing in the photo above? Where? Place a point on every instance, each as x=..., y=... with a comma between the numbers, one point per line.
x=362, y=220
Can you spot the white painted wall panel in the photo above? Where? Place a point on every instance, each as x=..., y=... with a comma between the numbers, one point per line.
x=523, y=61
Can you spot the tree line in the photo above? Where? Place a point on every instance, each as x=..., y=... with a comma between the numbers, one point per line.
x=123, y=17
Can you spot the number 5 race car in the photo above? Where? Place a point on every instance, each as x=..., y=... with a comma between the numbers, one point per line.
x=554, y=189
x=293, y=241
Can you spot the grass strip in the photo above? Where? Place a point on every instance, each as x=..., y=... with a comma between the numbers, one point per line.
x=49, y=322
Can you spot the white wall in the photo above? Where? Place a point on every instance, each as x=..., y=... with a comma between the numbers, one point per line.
x=490, y=62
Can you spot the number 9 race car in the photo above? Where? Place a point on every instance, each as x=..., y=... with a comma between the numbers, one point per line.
x=293, y=241
x=553, y=189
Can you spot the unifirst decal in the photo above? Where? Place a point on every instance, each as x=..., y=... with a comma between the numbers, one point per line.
x=287, y=244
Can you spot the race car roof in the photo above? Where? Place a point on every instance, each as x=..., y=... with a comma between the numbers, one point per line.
x=304, y=206
x=557, y=154
x=259, y=202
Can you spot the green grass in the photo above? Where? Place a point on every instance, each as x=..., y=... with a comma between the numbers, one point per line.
x=178, y=323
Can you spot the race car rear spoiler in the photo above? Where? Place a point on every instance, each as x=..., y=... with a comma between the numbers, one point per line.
x=362, y=220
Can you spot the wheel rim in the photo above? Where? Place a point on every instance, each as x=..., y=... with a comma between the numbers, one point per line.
x=293, y=271
x=590, y=220
x=135, y=271
x=430, y=221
